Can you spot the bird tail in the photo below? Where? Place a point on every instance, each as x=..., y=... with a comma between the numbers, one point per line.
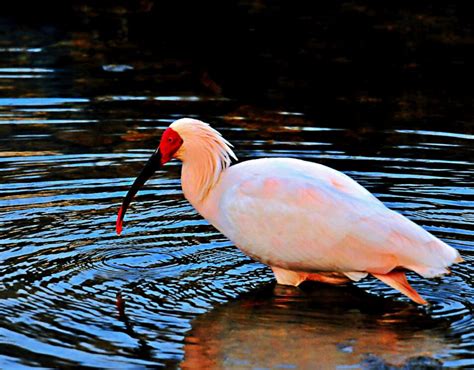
x=398, y=281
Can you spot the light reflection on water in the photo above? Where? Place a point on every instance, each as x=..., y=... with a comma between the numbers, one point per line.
x=62, y=263
x=67, y=162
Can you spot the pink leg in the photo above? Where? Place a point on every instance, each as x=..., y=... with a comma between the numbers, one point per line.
x=287, y=277
x=295, y=278
x=398, y=281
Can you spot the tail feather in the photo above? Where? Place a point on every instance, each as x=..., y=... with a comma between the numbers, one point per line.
x=398, y=281
x=458, y=259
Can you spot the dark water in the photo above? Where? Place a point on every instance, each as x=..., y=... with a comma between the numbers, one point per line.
x=76, y=126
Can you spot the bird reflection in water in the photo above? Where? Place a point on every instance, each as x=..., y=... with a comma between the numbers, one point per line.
x=335, y=326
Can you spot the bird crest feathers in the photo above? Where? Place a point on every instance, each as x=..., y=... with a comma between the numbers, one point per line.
x=206, y=147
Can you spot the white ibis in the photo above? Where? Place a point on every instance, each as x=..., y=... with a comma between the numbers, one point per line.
x=305, y=220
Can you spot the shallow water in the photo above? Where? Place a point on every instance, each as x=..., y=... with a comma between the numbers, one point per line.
x=68, y=154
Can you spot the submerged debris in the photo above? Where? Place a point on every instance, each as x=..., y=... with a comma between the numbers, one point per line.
x=373, y=362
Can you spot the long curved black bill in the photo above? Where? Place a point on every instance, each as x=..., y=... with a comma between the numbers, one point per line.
x=151, y=166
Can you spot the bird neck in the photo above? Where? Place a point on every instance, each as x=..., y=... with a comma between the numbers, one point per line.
x=202, y=171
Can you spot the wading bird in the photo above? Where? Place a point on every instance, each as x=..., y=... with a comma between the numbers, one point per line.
x=305, y=220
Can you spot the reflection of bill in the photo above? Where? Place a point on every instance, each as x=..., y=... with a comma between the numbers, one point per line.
x=323, y=329
x=143, y=350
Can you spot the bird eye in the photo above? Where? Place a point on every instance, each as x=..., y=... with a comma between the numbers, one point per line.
x=170, y=140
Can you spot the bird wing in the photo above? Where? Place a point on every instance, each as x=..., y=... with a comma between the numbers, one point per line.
x=307, y=217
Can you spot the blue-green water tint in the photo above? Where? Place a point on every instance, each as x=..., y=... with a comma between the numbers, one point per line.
x=67, y=157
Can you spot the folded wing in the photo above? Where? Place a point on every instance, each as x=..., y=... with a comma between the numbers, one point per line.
x=302, y=216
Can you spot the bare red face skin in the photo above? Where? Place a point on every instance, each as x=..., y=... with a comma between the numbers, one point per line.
x=169, y=144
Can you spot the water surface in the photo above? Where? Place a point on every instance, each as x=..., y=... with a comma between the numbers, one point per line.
x=72, y=140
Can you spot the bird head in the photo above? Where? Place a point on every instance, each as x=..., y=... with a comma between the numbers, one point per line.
x=185, y=139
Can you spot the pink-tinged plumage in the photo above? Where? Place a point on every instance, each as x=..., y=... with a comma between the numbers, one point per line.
x=305, y=220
